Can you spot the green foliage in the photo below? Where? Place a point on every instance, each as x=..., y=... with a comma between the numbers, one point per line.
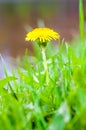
x=26, y=102
x=81, y=20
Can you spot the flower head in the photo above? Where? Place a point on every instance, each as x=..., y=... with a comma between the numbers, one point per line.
x=42, y=35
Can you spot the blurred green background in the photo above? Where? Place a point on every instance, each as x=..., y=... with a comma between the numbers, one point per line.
x=17, y=15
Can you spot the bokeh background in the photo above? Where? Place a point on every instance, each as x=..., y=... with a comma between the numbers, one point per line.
x=18, y=16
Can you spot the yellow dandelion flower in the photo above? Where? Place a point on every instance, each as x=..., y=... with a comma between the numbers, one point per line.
x=42, y=35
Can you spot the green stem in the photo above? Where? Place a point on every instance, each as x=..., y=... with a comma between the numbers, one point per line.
x=45, y=64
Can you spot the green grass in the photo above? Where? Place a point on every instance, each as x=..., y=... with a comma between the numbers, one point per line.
x=28, y=103
x=81, y=20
